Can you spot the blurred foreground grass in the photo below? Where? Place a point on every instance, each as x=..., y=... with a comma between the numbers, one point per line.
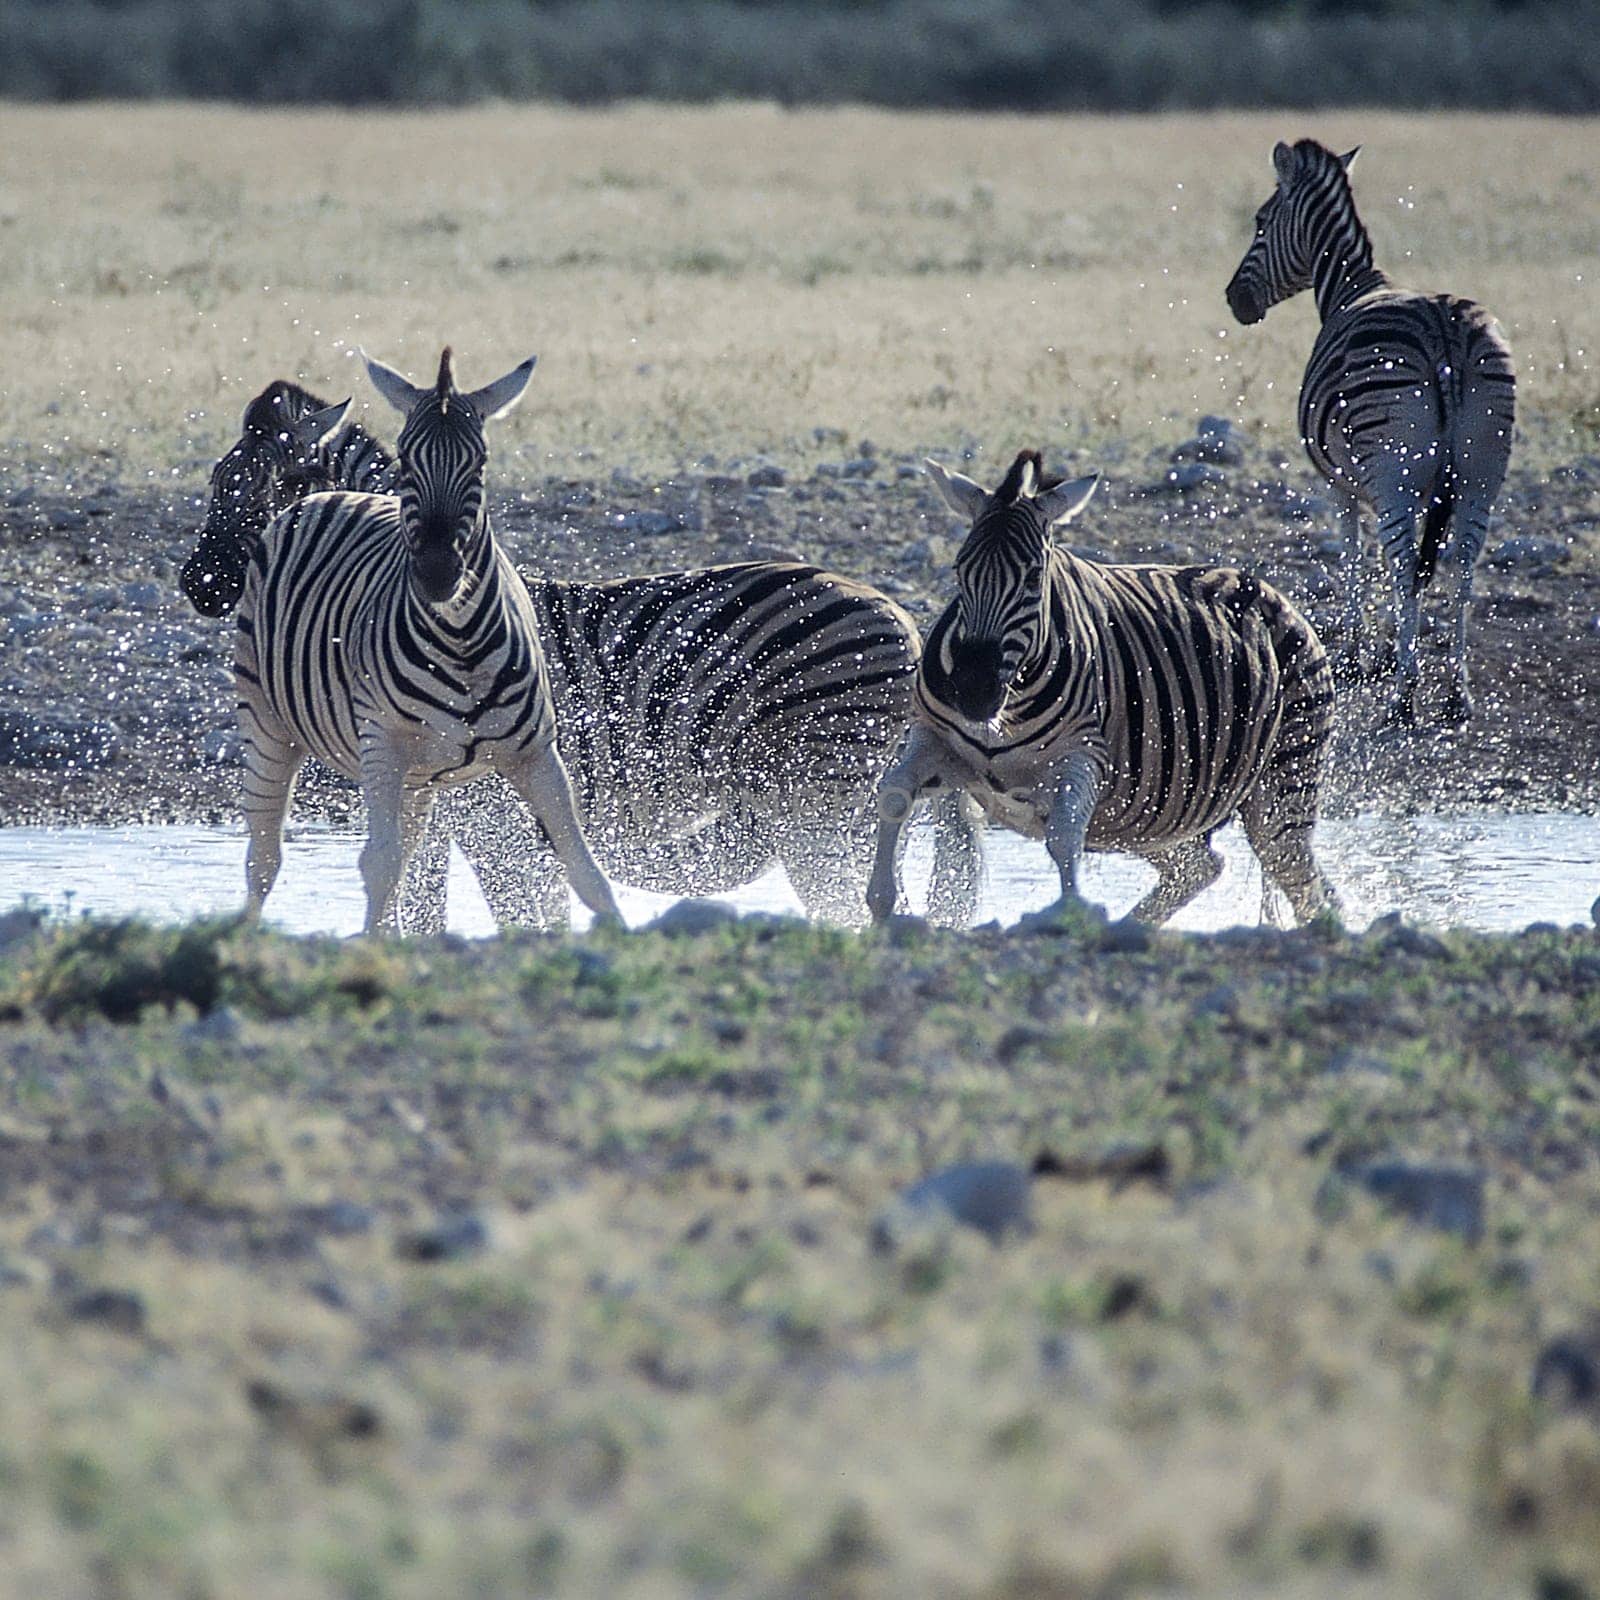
x=572, y=1266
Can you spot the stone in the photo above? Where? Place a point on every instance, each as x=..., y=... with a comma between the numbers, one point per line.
x=143, y=596
x=223, y=747
x=43, y=740
x=1447, y=1198
x=447, y=1238
x=651, y=524
x=767, y=476
x=691, y=918
x=989, y=1196
x=1188, y=476
x=121, y=1310
x=1566, y=1372
x=1526, y=552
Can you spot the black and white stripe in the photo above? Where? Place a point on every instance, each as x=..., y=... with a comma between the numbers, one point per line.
x=389, y=637
x=1407, y=405
x=1131, y=708
x=715, y=722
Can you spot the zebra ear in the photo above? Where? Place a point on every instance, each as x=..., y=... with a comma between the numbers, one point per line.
x=495, y=399
x=317, y=427
x=1283, y=163
x=963, y=496
x=1066, y=500
x=1348, y=159
x=402, y=395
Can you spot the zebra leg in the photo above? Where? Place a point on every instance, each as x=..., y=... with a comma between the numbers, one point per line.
x=423, y=888
x=383, y=855
x=823, y=863
x=1347, y=665
x=1184, y=871
x=916, y=769
x=1077, y=787
x=1278, y=827
x=510, y=856
x=270, y=769
x=1471, y=527
x=957, y=861
x=547, y=791
x=1398, y=535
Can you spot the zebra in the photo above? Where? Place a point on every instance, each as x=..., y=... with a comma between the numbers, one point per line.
x=714, y=721
x=1133, y=708
x=1407, y=405
x=390, y=637
x=290, y=442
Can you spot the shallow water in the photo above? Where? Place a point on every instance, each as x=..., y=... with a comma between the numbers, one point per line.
x=1492, y=872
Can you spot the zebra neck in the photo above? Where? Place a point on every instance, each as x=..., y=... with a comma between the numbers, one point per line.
x=477, y=608
x=1341, y=254
x=358, y=461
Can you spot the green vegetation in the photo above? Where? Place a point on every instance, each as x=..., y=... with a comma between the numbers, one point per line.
x=563, y=1265
x=1090, y=55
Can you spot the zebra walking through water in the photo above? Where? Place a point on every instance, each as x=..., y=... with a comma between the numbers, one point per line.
x=390, y=637
x=1133, y=708
x=714, y=722
x=1406, y=408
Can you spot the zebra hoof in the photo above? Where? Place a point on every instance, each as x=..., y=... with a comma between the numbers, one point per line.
x=1457, y=708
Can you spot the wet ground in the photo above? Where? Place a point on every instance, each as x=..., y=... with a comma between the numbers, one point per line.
x=116, y=699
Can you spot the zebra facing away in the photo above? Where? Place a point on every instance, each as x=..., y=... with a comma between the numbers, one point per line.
x=290, y=442
x=1133, y=708
x=1406, y=408
x=389, y=637
x=714, y=722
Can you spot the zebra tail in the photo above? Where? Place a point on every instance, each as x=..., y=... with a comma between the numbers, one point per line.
x=1435, y=526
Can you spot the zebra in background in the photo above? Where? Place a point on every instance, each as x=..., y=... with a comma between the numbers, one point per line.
x=290, y=443
x=714, y=722
x=1133, y=708
x=1406, y=408
x=390, y=637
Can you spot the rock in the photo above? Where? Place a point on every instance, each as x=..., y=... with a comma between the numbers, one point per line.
x=343, y=1219
x=41, y=740
x=19, y=923
x=693, y=917
x=1448, y=1198
x=861, y=467
x=1566, y=1372
x=650, y=524
x=1189, y=476
x=990, y=1196
x=448, y=1238
x=169, y=645
x=1526, y=552
x=1219, y=450
x=143, y=596
x=1395, y=934
x=767, y=476
x=1066, y=919
x=121, y=1310
x=1124, y=937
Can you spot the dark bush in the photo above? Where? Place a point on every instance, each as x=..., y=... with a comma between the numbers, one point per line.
x=1090, y=55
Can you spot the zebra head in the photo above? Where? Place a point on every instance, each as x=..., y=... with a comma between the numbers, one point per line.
x=280, y=456
x=442, y=454
x=1002, y=572
x=1307, y=217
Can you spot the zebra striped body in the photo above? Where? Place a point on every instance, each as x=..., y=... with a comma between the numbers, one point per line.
x=714, y=723
x=390, y=637
x=1407, y=406
x=1098, y=707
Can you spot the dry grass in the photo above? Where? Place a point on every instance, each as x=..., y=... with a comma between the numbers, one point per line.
x=707, y=282
x=682, y=1366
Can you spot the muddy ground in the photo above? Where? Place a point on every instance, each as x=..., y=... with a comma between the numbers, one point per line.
x=115, y=699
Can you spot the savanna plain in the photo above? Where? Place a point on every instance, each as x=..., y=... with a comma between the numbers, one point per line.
x=595, y=1265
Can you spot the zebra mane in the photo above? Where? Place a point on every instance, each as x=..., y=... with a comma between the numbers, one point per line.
x=447, y=379
x=1313, y=157
x=279, y=403
x=1011, y=486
